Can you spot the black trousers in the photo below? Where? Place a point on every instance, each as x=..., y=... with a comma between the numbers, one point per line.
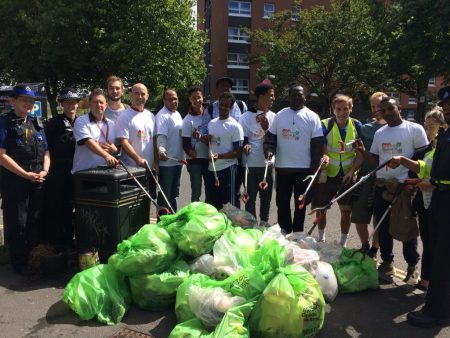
x=410, y=253
x=424, y=228
x=437, y=303
x=22, y=205
x=58, y=209
x=286, y=184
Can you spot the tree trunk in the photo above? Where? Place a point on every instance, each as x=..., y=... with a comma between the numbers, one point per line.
x=51, y=90
x=421, y=101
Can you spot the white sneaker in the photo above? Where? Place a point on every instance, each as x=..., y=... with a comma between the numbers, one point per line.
x=412, y=276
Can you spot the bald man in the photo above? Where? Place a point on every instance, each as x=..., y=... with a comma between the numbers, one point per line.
x=135, y=128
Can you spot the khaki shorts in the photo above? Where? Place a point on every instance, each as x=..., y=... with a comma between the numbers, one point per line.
x=325, y=192
x=362, y=202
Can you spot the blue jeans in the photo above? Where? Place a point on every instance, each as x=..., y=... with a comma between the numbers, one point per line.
x=169, y=180
x=196, y=173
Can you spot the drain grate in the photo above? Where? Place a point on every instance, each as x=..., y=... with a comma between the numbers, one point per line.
x=129, y=333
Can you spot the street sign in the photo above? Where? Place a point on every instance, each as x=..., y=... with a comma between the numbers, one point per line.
x=37, y=109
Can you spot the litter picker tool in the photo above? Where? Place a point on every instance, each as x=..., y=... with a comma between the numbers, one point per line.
x=213, y=161
x=159, y=209
x=159, y=187
x=361, y=180
x=245, y=197
x=407, y=185
x=184, y=162
x=263, y=184
x=302, y=197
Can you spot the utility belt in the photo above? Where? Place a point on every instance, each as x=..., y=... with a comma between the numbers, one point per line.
x=34, y=167
x=441, y=185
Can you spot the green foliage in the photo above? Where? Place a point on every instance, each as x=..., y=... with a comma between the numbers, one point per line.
x=81, y=43
x=328, y=49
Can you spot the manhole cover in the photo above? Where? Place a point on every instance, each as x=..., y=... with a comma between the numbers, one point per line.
x=129, y=333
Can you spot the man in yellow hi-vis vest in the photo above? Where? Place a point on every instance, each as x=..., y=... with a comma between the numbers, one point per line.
x=339, y=131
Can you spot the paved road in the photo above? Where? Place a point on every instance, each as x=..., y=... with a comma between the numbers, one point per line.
x=34, y=308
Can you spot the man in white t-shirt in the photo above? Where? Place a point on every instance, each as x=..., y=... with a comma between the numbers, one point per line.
x=169, y=147
x=195, y=144
x=136, y=129
x=114, y=88
x=296, y=138
x=226, y=137
x=255, y=122
x=95, y=136
x=397, y=138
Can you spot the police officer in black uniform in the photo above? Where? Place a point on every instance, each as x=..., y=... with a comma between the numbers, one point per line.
x=25, y=163
x=58, y=217
x=437, y=305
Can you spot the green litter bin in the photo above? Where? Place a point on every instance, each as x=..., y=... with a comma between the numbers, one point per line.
x=109, y=207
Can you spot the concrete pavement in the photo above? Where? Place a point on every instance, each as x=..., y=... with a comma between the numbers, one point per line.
x=33, y=308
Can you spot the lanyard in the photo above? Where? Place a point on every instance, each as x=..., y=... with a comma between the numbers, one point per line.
x=105, y=136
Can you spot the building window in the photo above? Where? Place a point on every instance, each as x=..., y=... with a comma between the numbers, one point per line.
x=236, y=34
x=295, y=10
x=411, y=100
x=432, y=81
x=238, y=60
x=269, y=10
x=240, y=8
x=240, y=86
x=394, y=95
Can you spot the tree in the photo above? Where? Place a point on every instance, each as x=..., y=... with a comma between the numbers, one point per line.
x=80, y=43
x=419, y=45
x=330, y=50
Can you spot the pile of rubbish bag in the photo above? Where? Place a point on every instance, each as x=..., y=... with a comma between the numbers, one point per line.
x=222, y=279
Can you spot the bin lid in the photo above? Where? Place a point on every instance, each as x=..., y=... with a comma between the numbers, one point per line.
x=108, y=173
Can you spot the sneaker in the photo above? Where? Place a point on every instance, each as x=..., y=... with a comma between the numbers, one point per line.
x=386, y=268
x=412, y=275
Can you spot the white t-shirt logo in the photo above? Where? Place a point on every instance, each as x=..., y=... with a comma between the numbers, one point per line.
x=393, y=149
x=289, y=134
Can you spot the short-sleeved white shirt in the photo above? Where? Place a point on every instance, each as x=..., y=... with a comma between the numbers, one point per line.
x=86, y=127
x=224, y=133
x=255, y=133
x=401, y=140
x=191, y=122
x=112, y=114
x=139, y=128
x=294, y=130
x=169, y=124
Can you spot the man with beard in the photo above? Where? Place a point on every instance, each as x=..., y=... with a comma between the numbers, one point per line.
x=114, y=89
x=61, y=144
x=296, y=137
x=397, y=138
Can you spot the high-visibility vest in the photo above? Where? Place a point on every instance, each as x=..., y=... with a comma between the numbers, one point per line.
x=338, y=159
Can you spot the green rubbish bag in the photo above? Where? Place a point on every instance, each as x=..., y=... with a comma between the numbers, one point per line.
x=355, y=274
x=150, y=250
x=234, y=323
x=157, y=292
x=232, y=251
x=292, y=305
x=100, y=293
x=192, y=328
x=183, y=311
x=195, y=228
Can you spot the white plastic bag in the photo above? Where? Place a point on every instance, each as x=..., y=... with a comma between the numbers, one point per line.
x=304, y=240
x=330, y=252
x=296, y=255
x=203, y=264
x=210, y=304
x=324, y=275
x=273, y=233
